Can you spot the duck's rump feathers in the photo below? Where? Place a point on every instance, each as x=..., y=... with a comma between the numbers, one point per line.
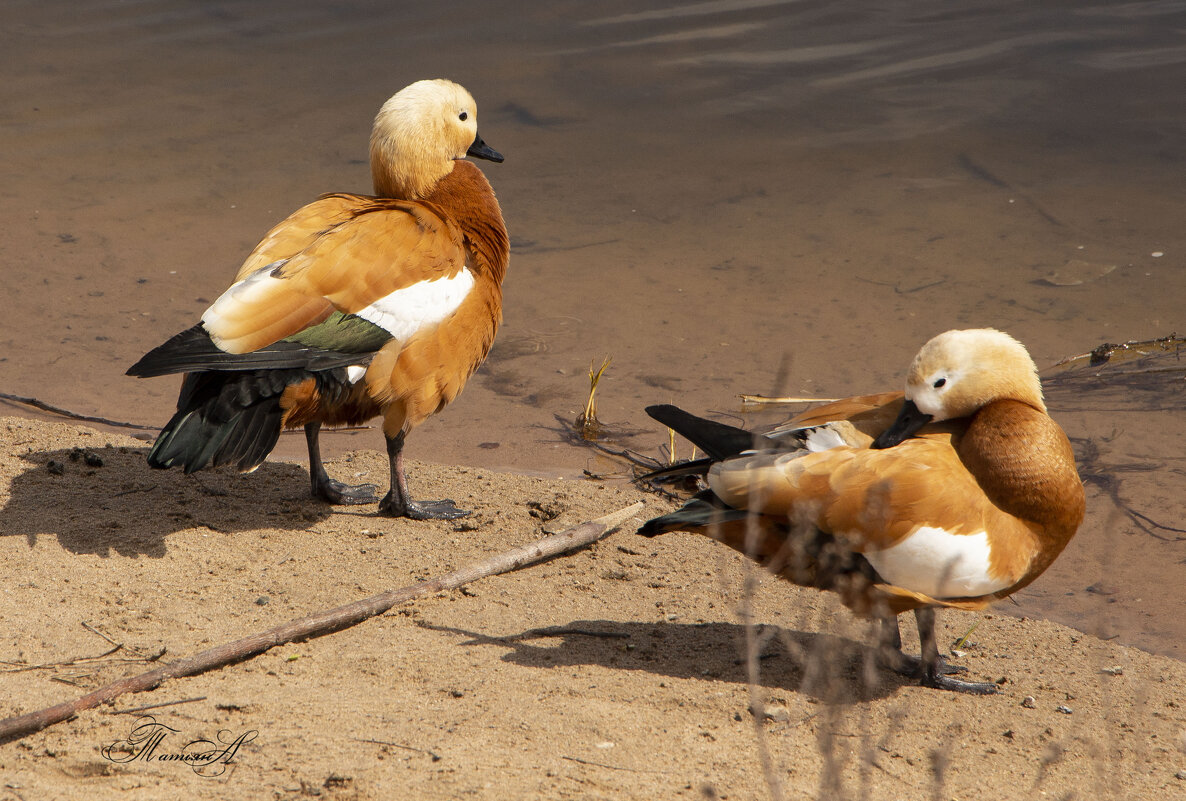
x=234, y=417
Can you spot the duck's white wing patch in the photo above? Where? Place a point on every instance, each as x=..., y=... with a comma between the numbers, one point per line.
x=940, y=564
x=405, y=311
x=248, y=290
x=822, y=438
x=816, y=438
x=355, y=372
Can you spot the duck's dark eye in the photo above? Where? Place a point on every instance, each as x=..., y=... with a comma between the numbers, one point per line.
x=940, y=383
x=463, y=116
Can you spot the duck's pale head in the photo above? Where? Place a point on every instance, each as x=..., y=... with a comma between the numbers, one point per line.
x=957, y=373
x=419, y=133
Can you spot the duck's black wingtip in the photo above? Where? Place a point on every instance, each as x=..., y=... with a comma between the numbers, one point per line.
x=718, y=440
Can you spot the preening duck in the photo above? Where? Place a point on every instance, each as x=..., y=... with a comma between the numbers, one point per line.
x=356, y=306
x=955, y=493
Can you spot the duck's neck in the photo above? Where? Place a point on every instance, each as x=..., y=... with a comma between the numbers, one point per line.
x=1024, y=463
x=466, y=197
x=403, y=174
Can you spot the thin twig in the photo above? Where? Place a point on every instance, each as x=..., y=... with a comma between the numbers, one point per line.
x=560, y=631
x=146, y=707
x=435, y=757
x=320, y=624
x=94, y=630
x=768, y=399
x=86, y=418
x=58, y=410
x=133, y=491
x=609, y=767
x=18, y=667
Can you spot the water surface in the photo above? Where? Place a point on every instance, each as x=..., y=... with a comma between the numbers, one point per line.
x=725, y=196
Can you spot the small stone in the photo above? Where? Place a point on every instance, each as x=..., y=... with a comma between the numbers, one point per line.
x=1028, y=702
x=92, y=459
x=1115, y=670
x=262, y=600
x=1066, y=710
x=1180, y=775
x=457, y=693
x=55, y=467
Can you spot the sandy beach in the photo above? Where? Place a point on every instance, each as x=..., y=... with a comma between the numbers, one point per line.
x=616, y=672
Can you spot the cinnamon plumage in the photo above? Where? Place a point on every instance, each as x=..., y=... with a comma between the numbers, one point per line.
x=955, y=493
x=354, y=307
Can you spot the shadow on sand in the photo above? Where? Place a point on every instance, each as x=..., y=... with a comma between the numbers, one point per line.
x=829, y=668
x=100, y=500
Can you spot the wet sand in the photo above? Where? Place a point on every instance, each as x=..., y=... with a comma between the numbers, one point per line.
x=725, y=197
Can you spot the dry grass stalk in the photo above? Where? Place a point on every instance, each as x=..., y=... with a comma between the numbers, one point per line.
x=588, y=427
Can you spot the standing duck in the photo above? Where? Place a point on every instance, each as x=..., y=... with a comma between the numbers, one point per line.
x=958, y=493
x=354, y=307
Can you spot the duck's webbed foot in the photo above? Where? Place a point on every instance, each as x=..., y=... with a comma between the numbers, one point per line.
x=398, y=502
x=326, y=488
x=420, y=510
x=931, y=669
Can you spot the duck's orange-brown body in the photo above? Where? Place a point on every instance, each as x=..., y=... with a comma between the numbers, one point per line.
x=353, y=307
x=963, y=476
x=458, y=226
x=894, y=508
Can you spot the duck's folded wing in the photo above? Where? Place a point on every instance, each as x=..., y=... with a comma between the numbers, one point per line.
x=394, y=264
x=913, y=511
x=297, y=231
x=870, y=414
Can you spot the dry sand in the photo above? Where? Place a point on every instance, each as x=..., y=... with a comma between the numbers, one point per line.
x=616, y=672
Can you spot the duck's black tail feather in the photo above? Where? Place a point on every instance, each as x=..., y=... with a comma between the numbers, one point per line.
x=230, y=418
x=718, y=440
x=193, y=350
x=228, y=412
x=701, y=511
x=688, y=467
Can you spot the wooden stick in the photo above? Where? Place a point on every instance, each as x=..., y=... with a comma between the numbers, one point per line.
x=768, y=399
x=321, y=623
x=58, y=410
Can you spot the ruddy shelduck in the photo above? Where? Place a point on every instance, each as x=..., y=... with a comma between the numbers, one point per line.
x=356, y=306
x=960, y=491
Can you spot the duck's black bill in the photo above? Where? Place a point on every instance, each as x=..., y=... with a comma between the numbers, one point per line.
x=481, y=150
x=910, y=419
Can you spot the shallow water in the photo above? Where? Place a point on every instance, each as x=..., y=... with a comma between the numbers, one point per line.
x=725, y=196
